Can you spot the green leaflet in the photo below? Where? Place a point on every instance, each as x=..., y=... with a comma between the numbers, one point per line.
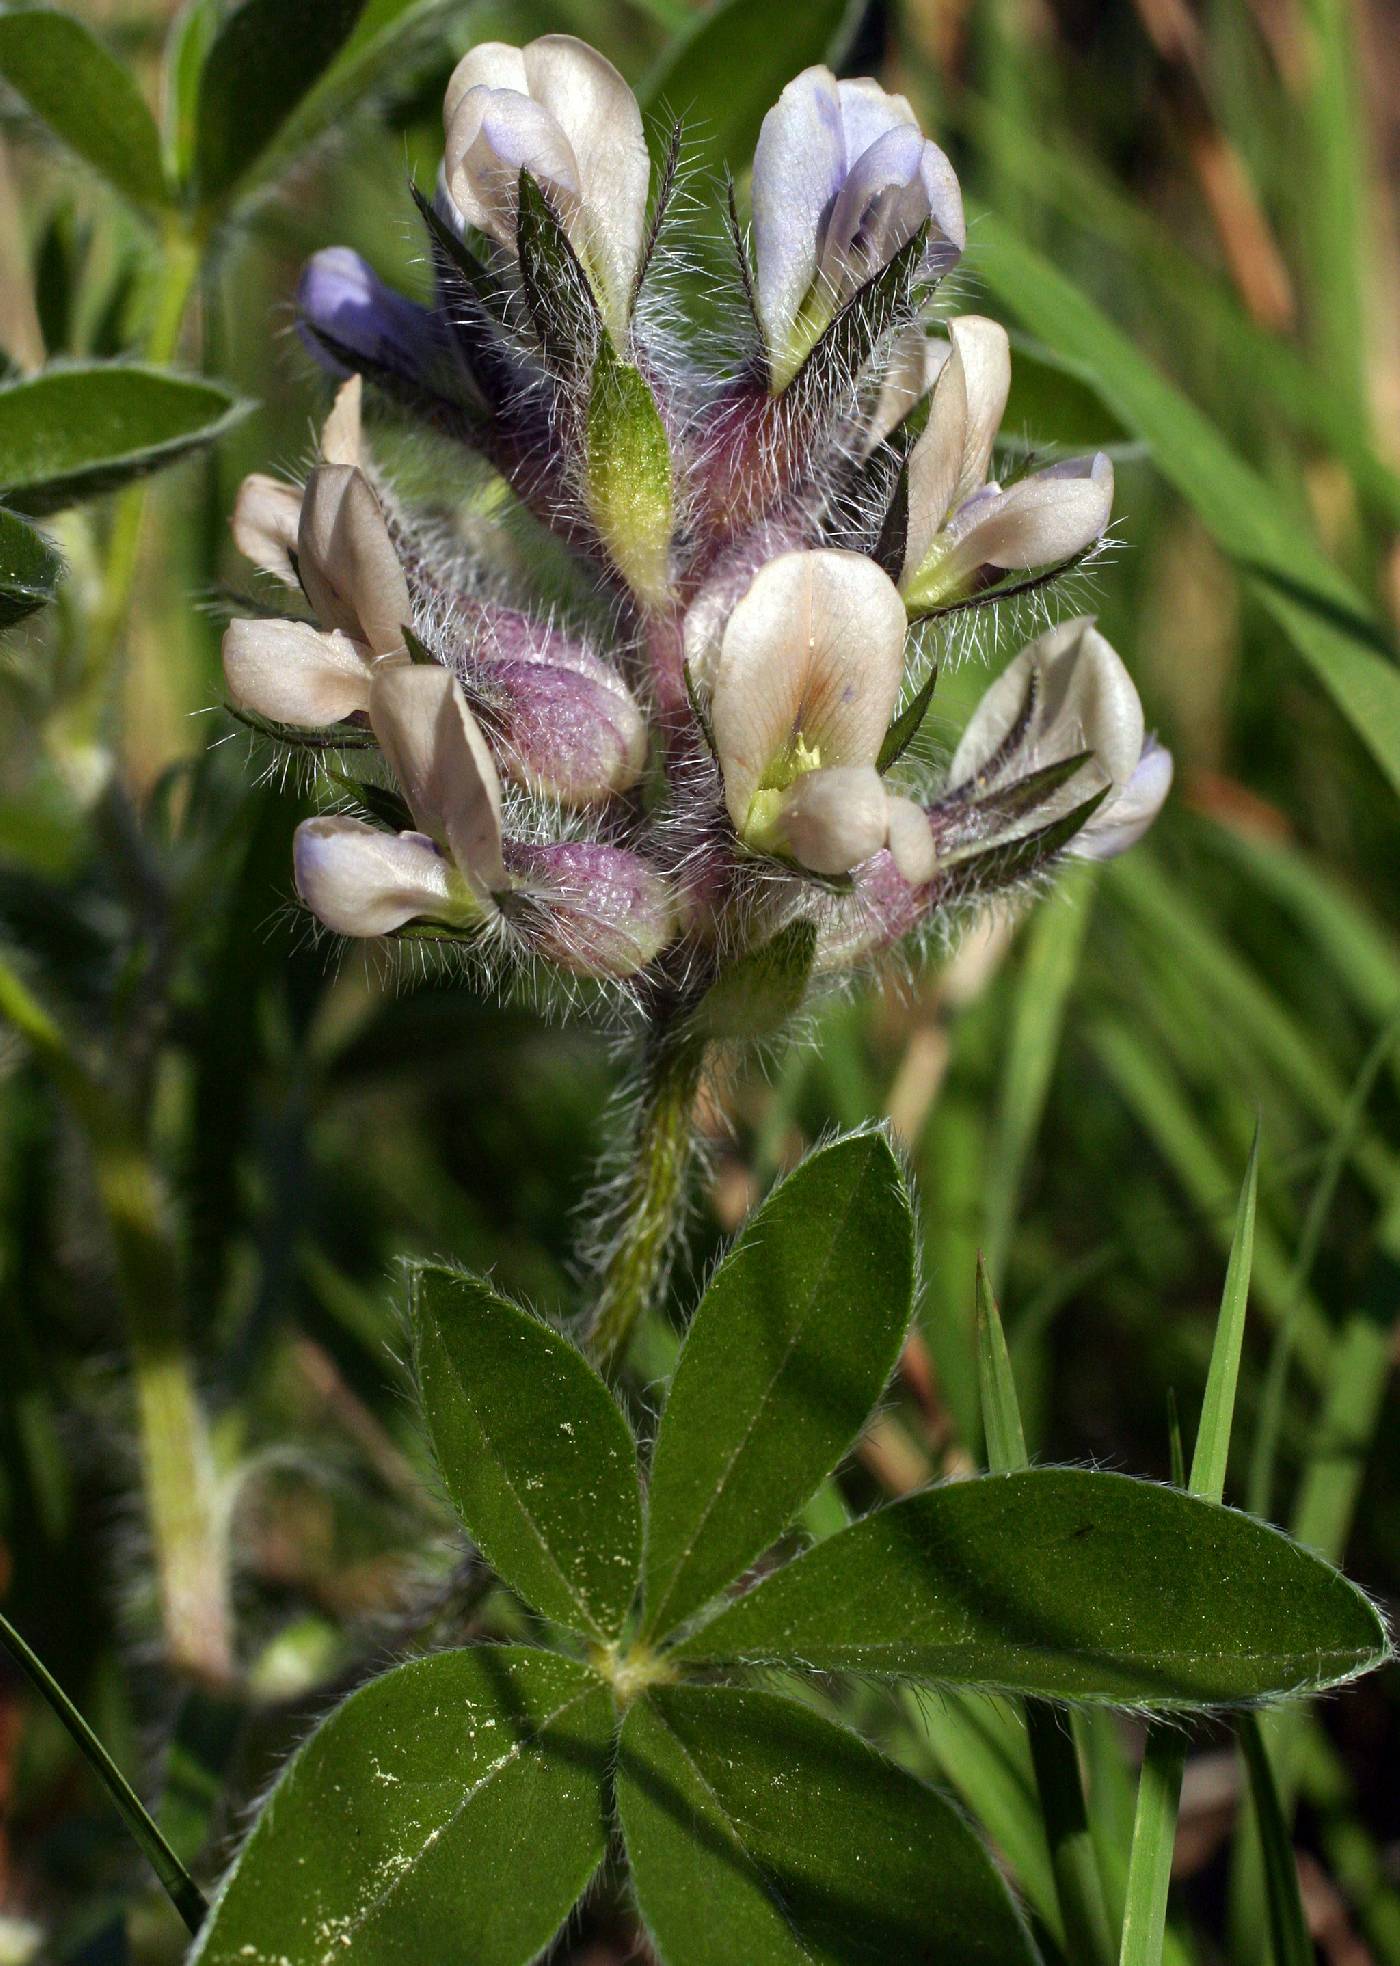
x=790, y=1348
x=461, y=1797
x=759, y=1832
x=1066, y=1584
x=262, y=64
x=85, y=96
x=1330, y=624
x=29, y=569
x=536, y=1457
x=70, y=433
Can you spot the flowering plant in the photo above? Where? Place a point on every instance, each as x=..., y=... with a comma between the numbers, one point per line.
x=630, y=707
x=693, y=789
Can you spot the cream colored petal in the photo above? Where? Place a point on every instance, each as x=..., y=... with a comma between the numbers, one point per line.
x=833, y=820
x=911, y=841
x=798, y=170
x=936, y=463
x=984, y=351
x=360, y=881
x=293, y=673
x=951, y=458
x=1082, y=698
x=814, y=649
x=340, y=433
x=1040, y=520
x=1120, y=823
x=266, y=515
x=912, y=370
x=443, y=764
x=598, y=113
x=489, y=65
x=349, y=564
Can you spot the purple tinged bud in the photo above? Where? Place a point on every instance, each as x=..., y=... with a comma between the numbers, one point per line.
x=594, y=910
x=343, y=299
x=564, y=722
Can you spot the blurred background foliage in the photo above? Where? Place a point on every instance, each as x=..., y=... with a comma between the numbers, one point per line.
x=1076, y=1087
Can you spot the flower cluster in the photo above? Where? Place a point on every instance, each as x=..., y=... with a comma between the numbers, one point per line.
x=706, y=741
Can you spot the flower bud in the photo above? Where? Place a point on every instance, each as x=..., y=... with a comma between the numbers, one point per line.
x=595, y=910
x=360, y=881
x=561, y=112
x=843, y=179
x=348, y=316
x=629, y=475
x=565, y=723
x=959, y=524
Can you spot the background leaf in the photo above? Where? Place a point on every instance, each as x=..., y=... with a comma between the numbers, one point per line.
x=1332, y=626
x=457, y=1800
x=85, y=96
x=538, y=1460
x=29, y=569
x=724, y=72
x=1066, y=1584
x=789, y=1350
x=71, y=433
x=264, y=60
x=758, y=1831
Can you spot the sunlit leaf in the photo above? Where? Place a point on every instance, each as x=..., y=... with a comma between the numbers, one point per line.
x=758, y=1831
x=536, y=1456
x=1066, y=1584
x=464, y=1794
x=787, y=1353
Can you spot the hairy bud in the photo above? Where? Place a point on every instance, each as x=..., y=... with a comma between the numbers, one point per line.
x=594, y=910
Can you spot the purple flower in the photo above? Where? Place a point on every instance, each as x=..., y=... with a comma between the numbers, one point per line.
x=842, y=179
x=342, y=301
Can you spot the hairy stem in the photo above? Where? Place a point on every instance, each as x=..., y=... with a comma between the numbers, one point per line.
x=182, y=253
x=176, y=1466
x=655, y=1193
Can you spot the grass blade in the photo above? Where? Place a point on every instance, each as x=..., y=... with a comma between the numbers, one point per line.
x=1329, y=622
x=176, y=1881
x=1164, y=1758
x=1054, y=1757
x=1287, y=1925
x=1212, y=1450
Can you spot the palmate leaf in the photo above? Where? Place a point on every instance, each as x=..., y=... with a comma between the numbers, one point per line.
x=74, y=432
x=756, y=1831
x=1066, y=1584
x=535, y=1454
x=454, y=1808
x=790, y=1348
